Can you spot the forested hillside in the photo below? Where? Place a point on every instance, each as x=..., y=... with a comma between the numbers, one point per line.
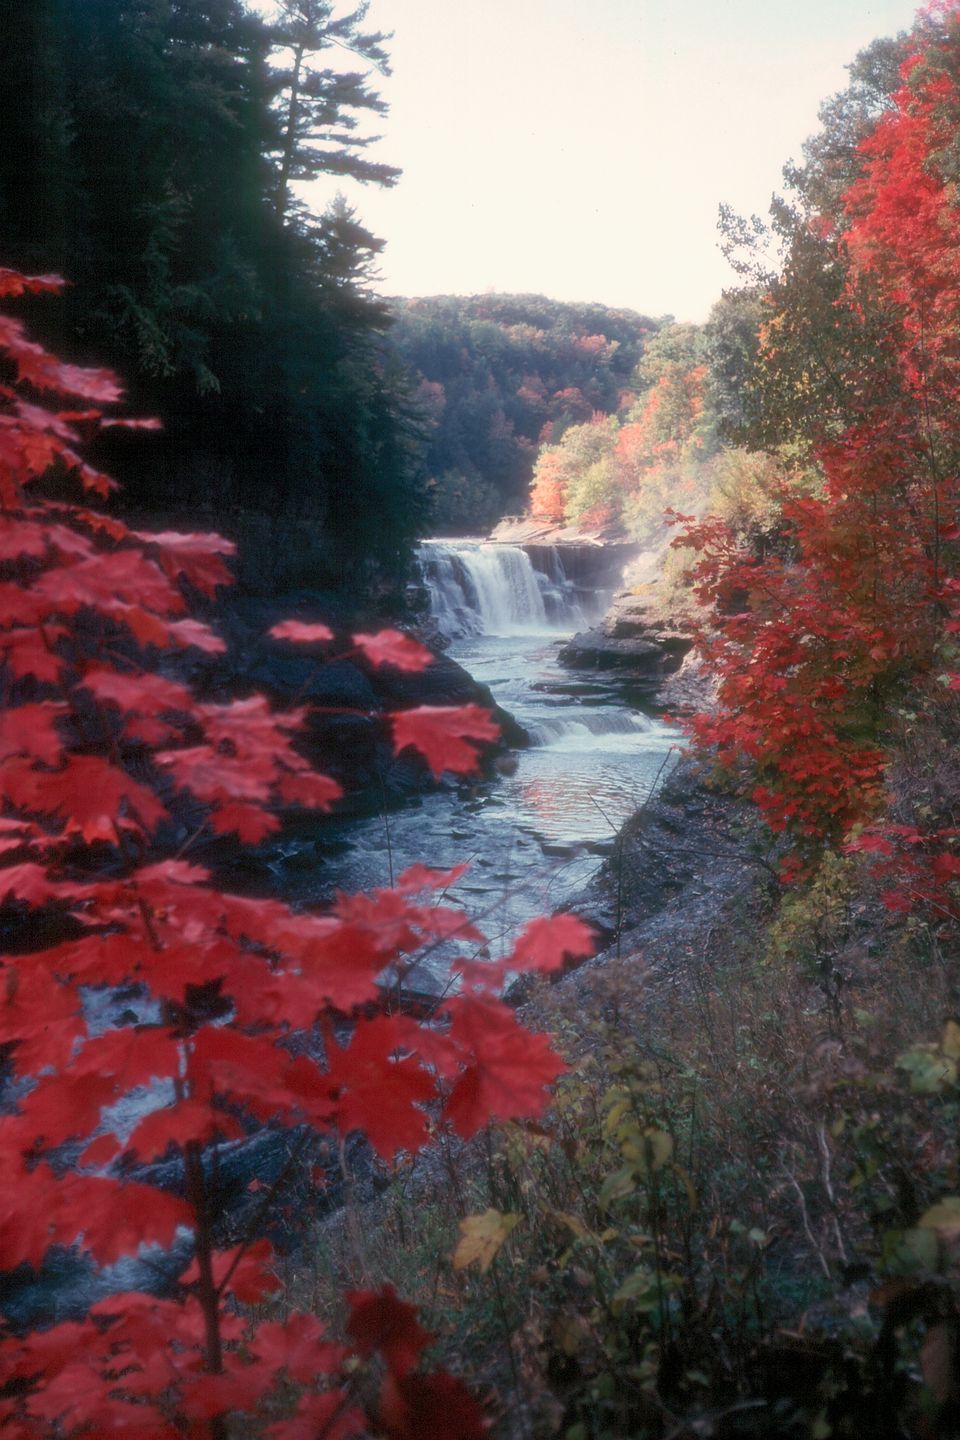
x=151, y=149
x=497, y=376
x=680, y=1160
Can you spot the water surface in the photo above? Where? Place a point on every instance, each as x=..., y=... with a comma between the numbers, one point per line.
x=533, y=837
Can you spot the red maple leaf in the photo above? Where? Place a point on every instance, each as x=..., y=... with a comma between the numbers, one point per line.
x=91, y=795
x=392, y=647
x=114, y=1219
x=249, y=823
x=441, y=734
x=139, y=691
x=507, y=1070
x=439, y=1406
x=250, y=1271
x=34, y=884
x=196, y=557
x=423, y=877
x=301, y=631
x=547, y=942
x=239, y=1388
x=30, y=652
x=378, y=1093
x=12, y=283
x=193, y=632
x=297, y=1345
x=308, y=789
x=379, y=1321
x=22, y=537
x=129, y=577
x=178, y=1125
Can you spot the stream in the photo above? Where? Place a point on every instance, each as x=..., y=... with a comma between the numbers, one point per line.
x=536, y=836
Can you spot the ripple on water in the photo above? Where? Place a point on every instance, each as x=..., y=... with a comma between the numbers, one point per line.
x=536, y=837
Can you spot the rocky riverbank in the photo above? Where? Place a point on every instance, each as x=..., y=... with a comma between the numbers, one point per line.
x=645, y=638
x=690, y=857
x=345, y=734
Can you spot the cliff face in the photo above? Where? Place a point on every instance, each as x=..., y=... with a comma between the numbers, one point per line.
x=640, y=636
x=592, y=559
x=526, y=530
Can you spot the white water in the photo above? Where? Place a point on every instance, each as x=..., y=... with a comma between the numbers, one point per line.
x=486, y=589
x=535, y=835
x=593, y=755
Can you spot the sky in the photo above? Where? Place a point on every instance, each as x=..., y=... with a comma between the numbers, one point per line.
x=581, y=148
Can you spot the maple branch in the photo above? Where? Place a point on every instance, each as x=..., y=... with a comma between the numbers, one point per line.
x=207, y=1293
x=260, y=1209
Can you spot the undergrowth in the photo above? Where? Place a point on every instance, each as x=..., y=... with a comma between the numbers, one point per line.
x=739, y=1218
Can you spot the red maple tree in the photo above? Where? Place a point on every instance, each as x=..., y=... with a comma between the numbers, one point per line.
x=105, y=750
x=812, y=645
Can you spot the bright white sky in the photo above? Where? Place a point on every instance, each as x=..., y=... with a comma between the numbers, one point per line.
x=580, y=148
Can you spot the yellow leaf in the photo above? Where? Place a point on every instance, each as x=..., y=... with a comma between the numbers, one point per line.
x=944, y=1218
x=573, y=1223
x=650, y=1151
x=950, y=1044
x=482, y=1237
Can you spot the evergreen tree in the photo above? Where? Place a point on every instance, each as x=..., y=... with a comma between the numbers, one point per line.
x=150, y=181
x=319, y=106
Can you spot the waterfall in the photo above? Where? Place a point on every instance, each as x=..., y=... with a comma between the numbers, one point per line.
x=619, y=730
x=491, y=589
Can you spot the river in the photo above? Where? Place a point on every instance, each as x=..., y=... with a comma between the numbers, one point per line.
x=533, y=837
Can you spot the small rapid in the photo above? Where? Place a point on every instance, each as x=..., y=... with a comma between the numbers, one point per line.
x=535, y=834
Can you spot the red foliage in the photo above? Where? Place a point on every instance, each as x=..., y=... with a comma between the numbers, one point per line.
x=104, y=761
x=444, y=734
x=392, y=647
x=811, y=646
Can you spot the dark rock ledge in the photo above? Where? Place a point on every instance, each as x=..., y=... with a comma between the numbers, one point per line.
x=345, y=698
x=637, y=634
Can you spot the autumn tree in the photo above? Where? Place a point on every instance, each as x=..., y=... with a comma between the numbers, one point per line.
x=239, y=1013
x=783, y=348
x=517, y=371
x=573, y=480
x=813, y=645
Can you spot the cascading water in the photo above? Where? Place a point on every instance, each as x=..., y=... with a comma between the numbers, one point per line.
x=534, y=835
x=505, y=617
x=484, y=589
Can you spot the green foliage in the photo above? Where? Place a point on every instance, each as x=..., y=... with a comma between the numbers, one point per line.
x=317, y=105
x=463, y=504
x=500, y=373
x=779, y=347
x=746, y=493
x=675, y=349
x=814, y=923
x=160, y=133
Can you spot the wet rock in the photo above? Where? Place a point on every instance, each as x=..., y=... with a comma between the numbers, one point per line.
x=689, y=690
x=639, y=634
x=69, y=1282
x=599, y=650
